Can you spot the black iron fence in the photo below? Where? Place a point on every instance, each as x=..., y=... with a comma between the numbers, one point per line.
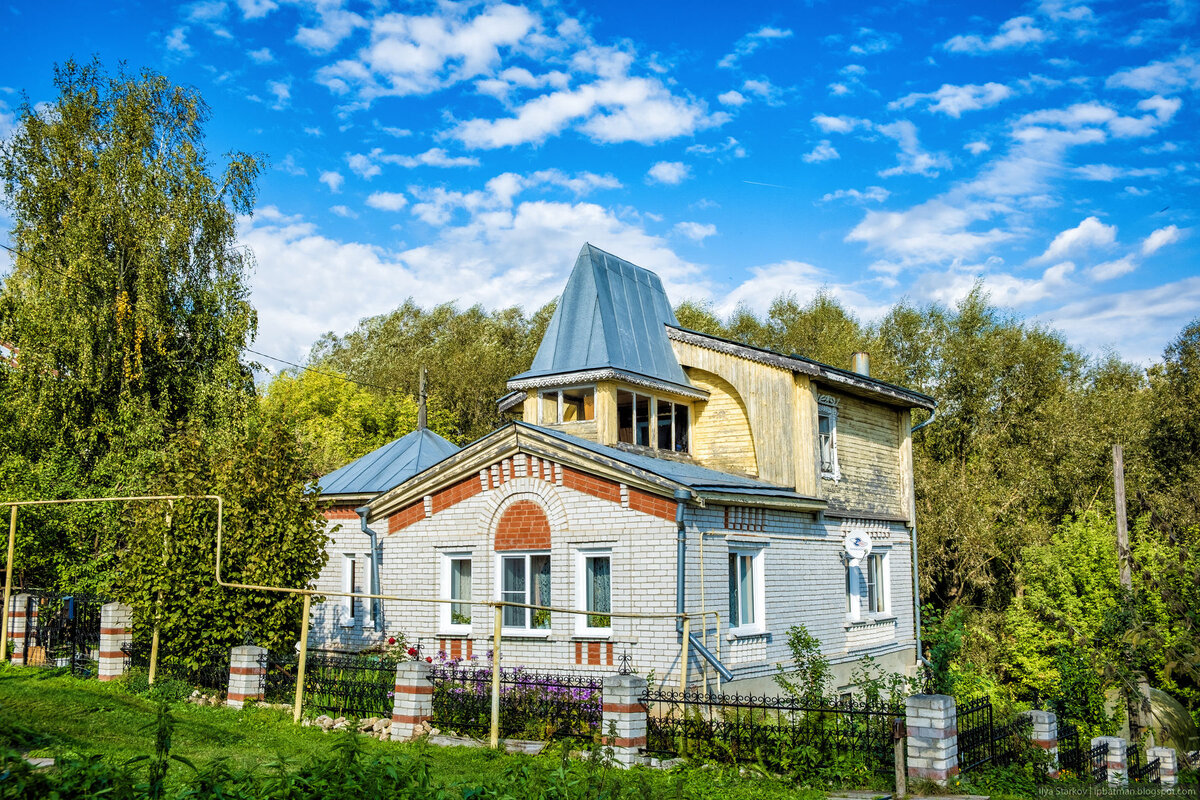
x=532, y=705
x=204, y=668
x=1140, y=769
x=61, y=630
x=982, y=742
x=343, y=685
x=1080, y=761
x=775, y=731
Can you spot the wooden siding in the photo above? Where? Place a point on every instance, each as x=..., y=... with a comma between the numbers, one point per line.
x=766, y=393
x=804, y=446
x=868, y=446
x=584, y=430
x=721, y=431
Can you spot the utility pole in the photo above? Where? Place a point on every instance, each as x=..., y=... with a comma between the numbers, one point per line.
x=422, y=413
x=1122, y=525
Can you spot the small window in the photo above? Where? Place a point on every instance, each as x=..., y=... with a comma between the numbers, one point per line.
x=682, y=416
x=456, y=585
x=652, y=422
x=641, y=422
x=827, y=441
x=348, y=567
x=567, y=405
x=875, y=600
x=525, y=579
x=743, y=518
x=744, y=594
x=867, y=586
x=624, y=416
x=597, y=592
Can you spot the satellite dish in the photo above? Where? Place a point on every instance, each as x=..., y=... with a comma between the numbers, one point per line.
x=857, y=545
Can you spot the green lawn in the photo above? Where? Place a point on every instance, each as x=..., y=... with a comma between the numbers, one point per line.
x=56, y=715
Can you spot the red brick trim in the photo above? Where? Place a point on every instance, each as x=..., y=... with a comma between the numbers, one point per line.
x=523, y=526
x=246, y=671
x=110, y=654
x=406, y=516
x=418, y=690
x=621, y=741
x=409, y=719
x=340, y=512
x=932, y=774
x=114, y=631
x=1046, y=744
x=608, y=656
x=236, y=696
x=624, y=708
x=579, y=652
x=108, y=677
x=590, y=484
x=651, y=504
x=16, y=615
x=451, y=495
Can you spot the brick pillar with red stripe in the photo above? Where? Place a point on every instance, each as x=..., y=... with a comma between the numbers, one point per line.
x=623, y=722
x=413, y=701
x=247, y=675
x=1044, y=734
x=116, y=630
x=18, y=625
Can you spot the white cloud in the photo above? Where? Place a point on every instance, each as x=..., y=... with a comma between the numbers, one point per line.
x=873, y=194
x=387, y=201
x=751, y=42
x=954, y=100
x=695, y=231
x=176, y=41
x=362, y=165
x=824, y=151
x=344, y=211
x=333, y=180
x=936, y=230
x=671, y=173
x=1160, y=239
x=871, y=42
x=261, y=56
x=290, y=166
x=282, y=90
x=1108, y=172
x=772, y=94
x=731, y=98
x=256, y=9
x=334, y=25
x=1113, y=269
x=436, y=205
x=798, y=278
x=913, y=160
x=842, y=124
x=1089, y=234
x=1160, y=77
x=1098, y=115
x=731, y=147
x=977, y=147
x=1016, y=32
x=367, y=164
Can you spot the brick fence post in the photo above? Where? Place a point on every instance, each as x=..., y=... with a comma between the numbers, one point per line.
x=413, y=702
x=1044, y=734
x=1118, y=767
x=116, y=630
x=247, y=675
x=18, y=625
x=932, y=722
x=623, y=718
x=1168, y=764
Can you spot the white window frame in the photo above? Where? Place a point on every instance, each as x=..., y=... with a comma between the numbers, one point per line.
x=858, y=587
x=527, y=630
x=445, y=619
x=758, y=590
x=349, y=564
x=557, y=394
x=582, y=628
x=827, y=406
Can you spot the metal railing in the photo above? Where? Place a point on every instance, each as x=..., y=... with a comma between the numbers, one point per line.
x=1141, y=770
x=975, y=729
x=773, y=730
x=205, y=669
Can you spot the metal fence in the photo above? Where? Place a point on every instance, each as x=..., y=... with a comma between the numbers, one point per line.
x=336, y=684
x=1141, y=770
x=982, y=742
x=204, y=669
x=62, y=630
x=1088, y=764
x=776, y=731
x=533, y=705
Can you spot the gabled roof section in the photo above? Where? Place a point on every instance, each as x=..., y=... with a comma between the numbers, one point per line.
x=389, y=466
x=610, y=316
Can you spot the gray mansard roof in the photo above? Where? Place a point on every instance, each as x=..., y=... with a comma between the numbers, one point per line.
x=612, y=315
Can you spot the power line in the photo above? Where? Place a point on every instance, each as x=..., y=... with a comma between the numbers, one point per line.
x=67, y=275
x=323, y=372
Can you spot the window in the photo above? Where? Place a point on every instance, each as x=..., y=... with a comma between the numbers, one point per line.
x=348, y=565
x=827, y=437
x=525, y=579
x=745, y=518
x=567, y=405
x=370, y=605
x=456, y=585
x=652, y=422
x=745, y=590
x=867, y=586
x=595, y=596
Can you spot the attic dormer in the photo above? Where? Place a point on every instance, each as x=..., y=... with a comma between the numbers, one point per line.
x=605, y=370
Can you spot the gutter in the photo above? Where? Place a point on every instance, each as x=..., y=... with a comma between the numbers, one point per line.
x=681, y=498
x=376, y=605
x=916, y=578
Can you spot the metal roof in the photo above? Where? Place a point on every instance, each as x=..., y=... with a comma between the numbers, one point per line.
x=390, y=465
x=611, y=314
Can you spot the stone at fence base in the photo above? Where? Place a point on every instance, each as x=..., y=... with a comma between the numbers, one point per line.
x=412, y=703
x=18, y=625
x=247, y=675
x=932, y=742
x=1116, y=762
x=116, y=631
x=623, y=719
x=1168, y=764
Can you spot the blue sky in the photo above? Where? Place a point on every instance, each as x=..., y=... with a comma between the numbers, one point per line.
x=465, y=151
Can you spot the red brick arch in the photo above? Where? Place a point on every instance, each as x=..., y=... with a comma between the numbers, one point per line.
x=523, y=526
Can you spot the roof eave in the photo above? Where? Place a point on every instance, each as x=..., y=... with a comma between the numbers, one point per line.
x=545, y=380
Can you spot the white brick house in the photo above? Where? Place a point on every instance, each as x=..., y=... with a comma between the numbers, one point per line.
x=626, y=424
